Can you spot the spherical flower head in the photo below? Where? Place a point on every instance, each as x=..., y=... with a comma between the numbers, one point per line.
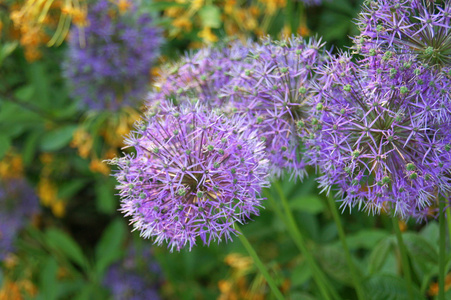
x=201, y=75
x=108, y=62
x=18, y=202
x=134, y=277
x=195, y=173
x=276, y=93
x=413, y=26
x=384, y=134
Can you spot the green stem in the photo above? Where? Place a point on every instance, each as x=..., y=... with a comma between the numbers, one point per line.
x=448, y=219
x=342, y=236
x=404, y=258
x=259, y=264
x=442, y=250
x=318, y=275
x=290, y=18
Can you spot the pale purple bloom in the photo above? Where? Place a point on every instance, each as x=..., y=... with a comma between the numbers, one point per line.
x=195, y=173
x=201, y=75
x=385, y=139
x=275, y=91
x=108, y=62
x=18, y=203
x=133, y=278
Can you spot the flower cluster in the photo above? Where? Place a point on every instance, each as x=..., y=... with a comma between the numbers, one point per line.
x=413, y=26
x=385, y=139
x=18, y=202
x=275, y=92
x=109, y=61
x=195, y=173
x=201, y=75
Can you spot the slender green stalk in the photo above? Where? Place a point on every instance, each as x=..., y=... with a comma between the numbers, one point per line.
x=259, y=264
x=404, y=258
x=448, y=219
x=324, y=286
x=442, y=250
x=289, y=12
x=342, y=236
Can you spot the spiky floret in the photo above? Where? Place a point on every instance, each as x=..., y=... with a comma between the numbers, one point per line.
x=276, y=93
x=195, y=173
x=385, y=134
x=418, y=27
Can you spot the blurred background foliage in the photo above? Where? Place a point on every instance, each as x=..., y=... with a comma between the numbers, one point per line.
x=74, y=244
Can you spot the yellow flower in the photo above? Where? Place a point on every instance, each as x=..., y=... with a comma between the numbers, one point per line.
x=207, y=35
x=239, y=261
x=11, y=166
x=433, y=288
x=196, y=5
x=183, y=23
x=98, y=166
x=123, y=5
x=59, y=209
x=173, y=12
x=83, y=141
x=10, y=291
x=273, y=5
x=47, y=192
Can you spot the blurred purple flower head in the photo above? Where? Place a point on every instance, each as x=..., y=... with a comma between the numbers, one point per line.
x=385, y=140
x=194, y=174
x=275, y=91
x=18, y=202
x=411, y=26
x=133, y=278
x=201, y=75
x=108, y=63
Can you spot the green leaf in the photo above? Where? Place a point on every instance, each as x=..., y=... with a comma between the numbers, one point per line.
x=106, y=201
x=300, y=274
x=379, y=254
x=25, y=93
x=7, y=49
x=431, y=232
x=389, y=287
x=39, y=78
x=70, y=188
x=48, y=285
x=366, y=238
x=333, y=262
x=64, y=244
x=5, y=144
x=420, y=249
x=309, y=203
x=109, y=249
x=210, y=16
x=57, y=138
x=30, y=146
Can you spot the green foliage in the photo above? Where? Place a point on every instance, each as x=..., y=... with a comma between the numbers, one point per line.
x=68, y=256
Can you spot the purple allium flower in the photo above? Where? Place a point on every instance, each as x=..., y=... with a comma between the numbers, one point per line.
x=276, y=92
x=414, y=26
x=385, y=140
x=108, y=66
x=201, y=75
x=194, y=174
x=18, y=202
x=133, y=278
